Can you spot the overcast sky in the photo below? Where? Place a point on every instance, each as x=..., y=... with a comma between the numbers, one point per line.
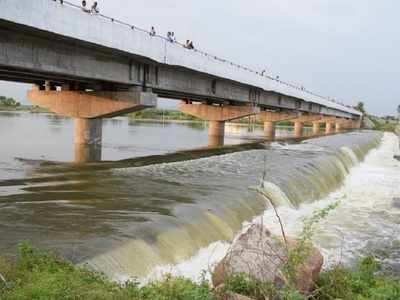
x=346, y=49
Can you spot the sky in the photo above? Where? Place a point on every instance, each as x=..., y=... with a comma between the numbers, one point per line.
x=348, y=50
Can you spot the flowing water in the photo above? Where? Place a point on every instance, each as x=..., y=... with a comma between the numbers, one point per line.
x=134, y=218
x=366, y=221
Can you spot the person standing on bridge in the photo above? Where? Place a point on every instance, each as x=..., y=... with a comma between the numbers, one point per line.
x=170, y=37
x=84, y=7
x=189, y=45
x=173, y=37
x=152, y=31
x=95, y=8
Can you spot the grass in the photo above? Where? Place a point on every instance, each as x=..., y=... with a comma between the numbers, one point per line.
x=40, y=274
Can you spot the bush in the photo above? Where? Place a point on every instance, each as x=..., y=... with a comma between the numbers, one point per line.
x=39, y=274
x=362, y=283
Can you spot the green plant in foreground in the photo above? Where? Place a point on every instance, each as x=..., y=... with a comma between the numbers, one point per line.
x=39, y=274
x=301, y=251
x=361, y=283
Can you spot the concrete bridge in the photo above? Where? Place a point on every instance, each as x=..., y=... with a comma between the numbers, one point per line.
x=91, y=67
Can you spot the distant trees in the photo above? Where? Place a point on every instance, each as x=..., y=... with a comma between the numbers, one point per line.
x=10, y=102
x=360, y=107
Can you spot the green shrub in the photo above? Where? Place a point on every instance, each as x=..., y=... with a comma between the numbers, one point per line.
x=362, y=283
x=242, y=284
x=39, y=274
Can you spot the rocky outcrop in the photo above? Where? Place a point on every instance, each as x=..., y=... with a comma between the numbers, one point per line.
x=261, y=256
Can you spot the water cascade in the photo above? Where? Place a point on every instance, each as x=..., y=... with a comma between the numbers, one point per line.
x=295, y=174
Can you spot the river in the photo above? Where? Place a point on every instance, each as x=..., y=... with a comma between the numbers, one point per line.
x=140, y=220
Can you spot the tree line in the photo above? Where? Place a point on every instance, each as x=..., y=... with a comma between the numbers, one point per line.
x=10, y=102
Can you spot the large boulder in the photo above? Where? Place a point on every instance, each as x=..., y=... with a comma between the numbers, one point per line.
x=261, y=256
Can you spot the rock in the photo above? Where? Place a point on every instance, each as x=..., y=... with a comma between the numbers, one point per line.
x=396, y=202
x=261, y=256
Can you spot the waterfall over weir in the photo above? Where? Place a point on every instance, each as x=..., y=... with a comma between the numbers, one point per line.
x=295, y=174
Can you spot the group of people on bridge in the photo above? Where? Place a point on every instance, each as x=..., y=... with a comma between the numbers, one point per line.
x=170, y=34
x=93, y=10
x=172, y=38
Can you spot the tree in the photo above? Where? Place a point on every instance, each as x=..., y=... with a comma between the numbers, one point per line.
x=4, y=101
x=360, y=107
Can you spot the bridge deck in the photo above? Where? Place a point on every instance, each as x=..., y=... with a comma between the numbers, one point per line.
x=51, y=16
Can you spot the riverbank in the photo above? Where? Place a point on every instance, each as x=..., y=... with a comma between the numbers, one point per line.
x=23, y=108
x=157, y=115
x=39, y=274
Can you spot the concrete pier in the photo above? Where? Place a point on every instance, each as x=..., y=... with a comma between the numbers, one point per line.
x=216, y=133
x=86, y=153
x=298, y=129
x=87, y=139
x=88, y=131
x=328, y=128
x=269, y=130
x=270, y=118
x=338, y=127
x=217, y=115
x=316, y=129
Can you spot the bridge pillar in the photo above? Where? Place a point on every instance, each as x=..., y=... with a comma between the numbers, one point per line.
x=299, y=123
x=216, y=133
x=270, y=118
x=88, y=109
x=217, y=115
x=269, y=130
x=316, y=128
x=87, y=139
x=298, y=129
x=328, y=128
x=357, y=123
x=338, y=127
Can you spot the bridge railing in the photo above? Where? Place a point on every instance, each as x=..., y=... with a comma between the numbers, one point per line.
x=208, y=55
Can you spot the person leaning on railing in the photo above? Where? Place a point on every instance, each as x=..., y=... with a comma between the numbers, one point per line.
x=95, y=8
x=189, y=45
x=84, y=8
